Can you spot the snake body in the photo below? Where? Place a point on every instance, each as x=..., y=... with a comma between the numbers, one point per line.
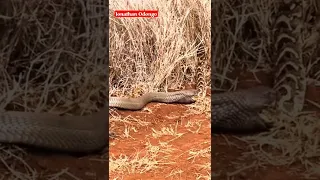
x=182, y=97
x=81, y=134
x=237, y=112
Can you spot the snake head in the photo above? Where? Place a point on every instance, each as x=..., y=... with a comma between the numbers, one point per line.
x=187, y=96
x=260, y=96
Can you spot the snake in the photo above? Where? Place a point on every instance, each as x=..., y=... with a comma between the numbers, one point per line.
x=181, y=97
x=75, y=134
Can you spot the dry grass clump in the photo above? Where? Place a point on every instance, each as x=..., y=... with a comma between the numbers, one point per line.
x=148, y=54
x=53, y=54
x=53, y=57
x=243, y=36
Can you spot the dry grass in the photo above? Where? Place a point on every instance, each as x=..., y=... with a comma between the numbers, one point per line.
x=163, y=151
x=159, y=53
x=56, y=59
x=243, y=38
x=53, y=57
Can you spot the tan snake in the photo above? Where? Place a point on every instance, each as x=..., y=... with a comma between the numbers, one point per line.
x=82, y=134
x=182, y=97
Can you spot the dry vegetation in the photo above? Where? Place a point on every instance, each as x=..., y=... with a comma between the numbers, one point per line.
x=158, y=54
x=53, y=58
x=243, y=37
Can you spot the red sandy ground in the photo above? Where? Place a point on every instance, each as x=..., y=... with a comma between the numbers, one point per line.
x=164, y=116
x=94, y=167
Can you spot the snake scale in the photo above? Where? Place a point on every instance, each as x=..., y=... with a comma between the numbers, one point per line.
x=80, y=134
x=237, y=112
